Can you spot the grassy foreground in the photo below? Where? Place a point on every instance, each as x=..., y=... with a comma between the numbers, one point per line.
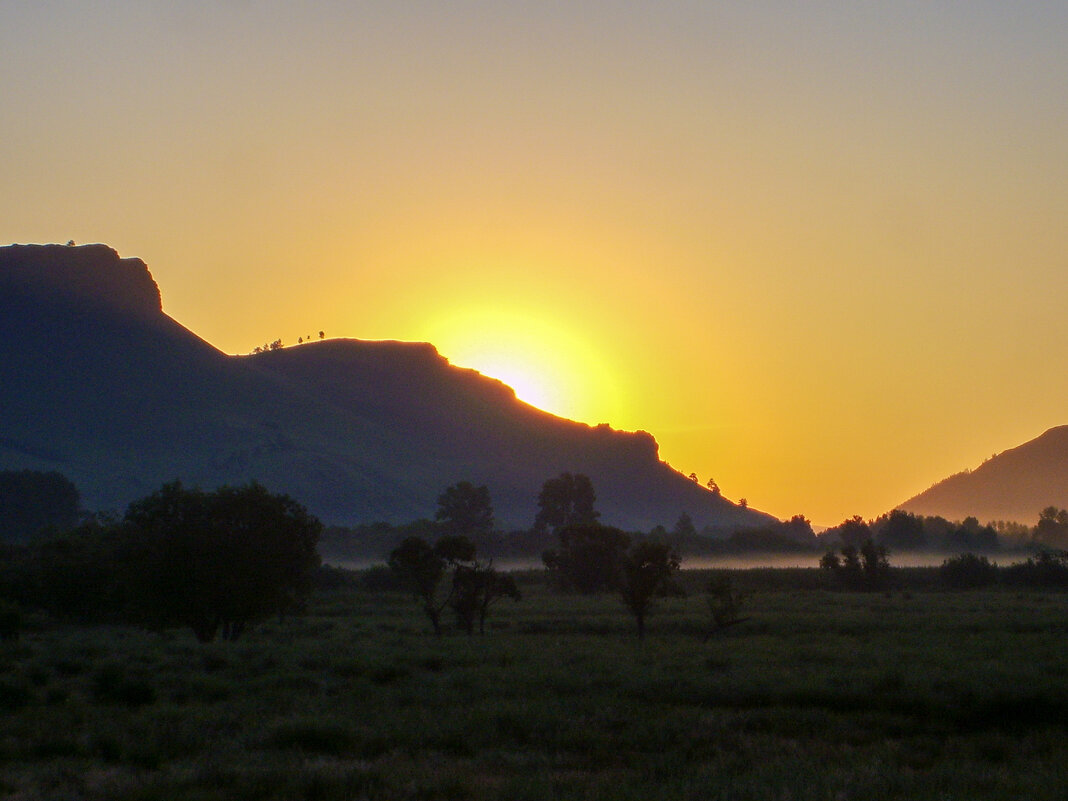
x=821, y=695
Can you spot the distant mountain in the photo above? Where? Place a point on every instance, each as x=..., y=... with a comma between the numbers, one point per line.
x=1015, y=485
x=98, y=383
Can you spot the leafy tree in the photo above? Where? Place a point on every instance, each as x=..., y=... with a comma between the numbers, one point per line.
x=475, y=588
x=218, y=561
x=968, y=571
x=567, y=500
x=421, y=566
x=853, y=531
x=465, y=509
x=724, y=602
x=712, y=486
x=646, y=569
x=901, y=531
x=1052, y=527
x=588, y=559
x=33, y=502
x=684, y=526
x=866, y=568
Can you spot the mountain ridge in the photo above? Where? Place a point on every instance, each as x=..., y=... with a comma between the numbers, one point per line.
x=96, y=381
x=1014, y=485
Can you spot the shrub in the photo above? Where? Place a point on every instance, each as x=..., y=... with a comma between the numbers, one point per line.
x=1046, y=569
x=967, y=571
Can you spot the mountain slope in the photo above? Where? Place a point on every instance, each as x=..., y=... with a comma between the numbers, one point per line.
x=98, y=383
x=1014, y=485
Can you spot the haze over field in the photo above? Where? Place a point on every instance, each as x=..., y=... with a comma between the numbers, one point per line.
x=817, y=250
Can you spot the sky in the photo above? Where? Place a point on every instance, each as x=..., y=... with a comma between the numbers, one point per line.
x=817, y=249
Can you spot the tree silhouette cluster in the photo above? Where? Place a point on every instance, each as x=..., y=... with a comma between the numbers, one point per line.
x=215, y=562
x=866, y=568
x=464, y=510
x=470, y=590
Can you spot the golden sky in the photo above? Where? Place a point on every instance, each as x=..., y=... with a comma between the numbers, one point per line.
x=819, y=250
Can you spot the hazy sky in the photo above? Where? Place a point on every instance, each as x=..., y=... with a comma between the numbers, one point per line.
x=819, y=250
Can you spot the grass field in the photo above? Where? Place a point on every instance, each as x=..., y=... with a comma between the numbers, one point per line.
x=820, y=695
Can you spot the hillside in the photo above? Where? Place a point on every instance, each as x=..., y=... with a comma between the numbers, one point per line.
x=1014, y=485
x=98, y=383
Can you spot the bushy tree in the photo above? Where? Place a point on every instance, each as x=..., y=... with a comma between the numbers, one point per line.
x=866, y=568
x=901, y=531
x=421, y=567
x=218, y=561
x=475, y=588
x=472, y=590
x=967, y=571
x=465, y=509
x=588, y=559
x=645, y=570
x=567, y=500
x=724, y=603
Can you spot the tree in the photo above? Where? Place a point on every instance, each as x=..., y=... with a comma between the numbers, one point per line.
x=646, y=569
x=217, y=561
x=475, y=588
x=724, y=603
x=712, y=486
x=567, y=500
x=866, y=568
x=421, y=567
x=588, y=559
x=684, y=527
x=465, y=509
x=853, y=531
x=968, y=571
x=902, y=531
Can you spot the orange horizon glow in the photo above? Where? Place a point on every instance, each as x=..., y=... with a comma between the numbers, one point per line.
x=818, y=251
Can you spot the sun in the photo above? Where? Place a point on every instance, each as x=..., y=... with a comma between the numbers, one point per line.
x=548, y=365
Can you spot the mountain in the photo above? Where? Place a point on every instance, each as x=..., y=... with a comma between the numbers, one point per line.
x=98, y=383
x=1014, y=485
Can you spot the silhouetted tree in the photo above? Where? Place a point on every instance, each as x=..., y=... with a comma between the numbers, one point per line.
x=853, y=531
x=421, y=567
x=646, y=569
x=322, y=335
x=475, y=588
x=967, y=571
x=799, y=529
x=465, y=509
x=217, y=561
x=713, y=487
x=567, y=500
x=1052, y=527
x=724, y=603
x=694, y=478
x=588, y=559
x=901, y=531
x=866, y=568
x=684, y=526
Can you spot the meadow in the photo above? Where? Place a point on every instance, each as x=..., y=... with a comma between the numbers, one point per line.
x=918, y=694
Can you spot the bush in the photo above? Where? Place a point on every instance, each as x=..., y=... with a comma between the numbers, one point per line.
x=967, y=571
x=1046, y=569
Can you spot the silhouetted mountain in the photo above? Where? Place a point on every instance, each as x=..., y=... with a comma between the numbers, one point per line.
x=1014, y=485
x=96, y=382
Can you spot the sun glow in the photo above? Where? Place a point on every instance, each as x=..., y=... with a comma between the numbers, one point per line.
x=547, y=365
